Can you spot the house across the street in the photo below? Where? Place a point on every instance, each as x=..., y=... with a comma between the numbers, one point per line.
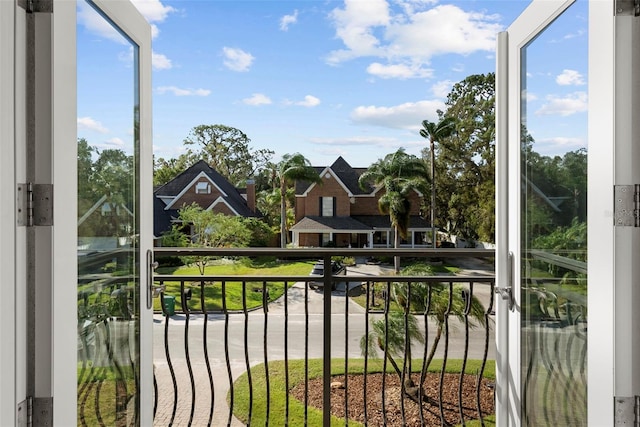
x=203, y=185
x=340, y=213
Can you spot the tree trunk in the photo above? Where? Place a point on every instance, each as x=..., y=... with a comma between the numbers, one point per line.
x=283, y=215
x=396, y=245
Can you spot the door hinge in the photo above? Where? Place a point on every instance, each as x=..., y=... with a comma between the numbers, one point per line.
x=627, y=8
x=35, y=411
x=626, y=209
x=627, y=411
x=34, y=204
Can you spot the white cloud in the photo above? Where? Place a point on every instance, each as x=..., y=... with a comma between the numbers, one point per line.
x=442, y=88
x=153, y=10
x=160, y=61
x=96, y=24
x=309, y=101
x=115, y=142
x=379, y=141
x=570, y=78
x=257, y=99
x=237, y=59
x=87, y=123
x=413, y=34
x=571, y=104
x=182, y=92
x=404, y=116
x=287, y=20
x=399, y=71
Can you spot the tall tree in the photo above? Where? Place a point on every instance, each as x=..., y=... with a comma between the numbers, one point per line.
x=400, y=174
x=292, y=168
x=164, y=170
x=465, y=161
x=435, y=132
x=227, y=150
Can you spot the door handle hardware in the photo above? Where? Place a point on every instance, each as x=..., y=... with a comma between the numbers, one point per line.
x=506, y=292
x=151, y=266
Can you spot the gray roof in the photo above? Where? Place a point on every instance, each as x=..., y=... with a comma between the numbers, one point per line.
x=345, y=172
x=359, y=223
x=162, y=218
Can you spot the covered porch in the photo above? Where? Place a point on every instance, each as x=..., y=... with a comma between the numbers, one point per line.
x=364, y=231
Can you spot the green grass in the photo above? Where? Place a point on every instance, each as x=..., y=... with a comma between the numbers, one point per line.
x=233, y=290
x=278, y=392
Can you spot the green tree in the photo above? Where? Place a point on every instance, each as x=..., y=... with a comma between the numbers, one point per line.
x=435, y=132
x=164, y=170
x=292, y=168
x=465, y=161
x=434, y=300
x=212, y=230
x=227, y=150
x=399, y=174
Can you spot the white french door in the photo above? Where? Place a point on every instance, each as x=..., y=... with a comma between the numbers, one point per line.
x=545, y=268
x=69, y=267
x=567, y=340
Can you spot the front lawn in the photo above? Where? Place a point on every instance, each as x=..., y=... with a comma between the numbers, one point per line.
x=235, y=300
x=278, y=391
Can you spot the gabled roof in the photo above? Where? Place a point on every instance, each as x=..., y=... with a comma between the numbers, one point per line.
x=164, y=211
x=232, y=196
x=344, y=173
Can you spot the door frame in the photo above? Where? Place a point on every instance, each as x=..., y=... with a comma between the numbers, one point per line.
x=12, y=390
x=605, y=98
x=64, y=178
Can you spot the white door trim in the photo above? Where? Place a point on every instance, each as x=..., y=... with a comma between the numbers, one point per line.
x=8, y=389
x=600, y=230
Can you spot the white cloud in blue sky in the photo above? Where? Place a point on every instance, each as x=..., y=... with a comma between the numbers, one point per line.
x=323, y=78
x=87, y=123
x=287, y=20
x=237, y=59
x=570, y=78
x=257, y=99
x=182, y=92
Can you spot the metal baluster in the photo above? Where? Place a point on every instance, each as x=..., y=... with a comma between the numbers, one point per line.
x=265, y=308
x=366, y=355
x=386, y=351
x=246, y=350
x=187, y=313
x=467, y=298
x=226, y=350
x=205, y=347
x=286, y=353
x=446, y=352
x=167, y=355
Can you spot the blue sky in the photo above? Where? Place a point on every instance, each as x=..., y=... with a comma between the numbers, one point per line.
x=324, y=78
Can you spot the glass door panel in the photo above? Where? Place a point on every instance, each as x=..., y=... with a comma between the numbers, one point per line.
x=108, y=220
x=553, y=221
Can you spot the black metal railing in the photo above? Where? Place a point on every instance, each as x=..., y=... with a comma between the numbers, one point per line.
x=204, y=348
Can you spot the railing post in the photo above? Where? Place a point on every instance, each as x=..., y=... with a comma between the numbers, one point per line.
x=326, y=354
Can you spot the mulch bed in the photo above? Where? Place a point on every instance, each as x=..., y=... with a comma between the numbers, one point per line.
x=392, y=401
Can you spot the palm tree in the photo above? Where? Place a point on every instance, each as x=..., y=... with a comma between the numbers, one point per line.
x=292, y=168
x=437, y=301
x=435, y=132
x=399, y=173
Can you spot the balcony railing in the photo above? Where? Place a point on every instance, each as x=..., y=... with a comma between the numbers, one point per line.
x=280, y=344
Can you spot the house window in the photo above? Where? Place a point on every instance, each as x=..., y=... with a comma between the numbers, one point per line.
x=203, y=188
x=327, y=206
x=325, y=239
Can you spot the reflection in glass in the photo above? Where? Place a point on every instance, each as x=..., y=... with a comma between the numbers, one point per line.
x=554, y=232
x=108, y=223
